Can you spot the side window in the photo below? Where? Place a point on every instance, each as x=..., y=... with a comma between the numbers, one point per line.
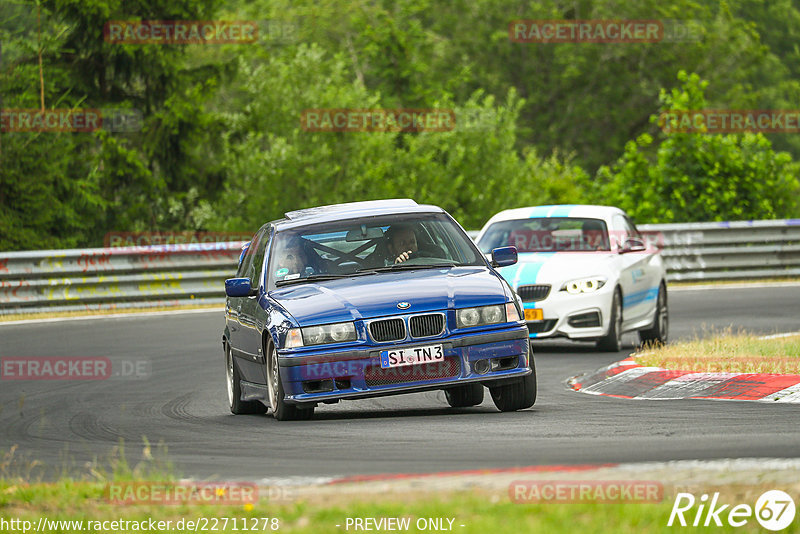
x=258, y=247
x=621, y=232
x=631, y=228
x=247, y=261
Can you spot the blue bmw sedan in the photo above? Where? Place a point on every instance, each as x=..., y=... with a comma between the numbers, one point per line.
x=372, y=299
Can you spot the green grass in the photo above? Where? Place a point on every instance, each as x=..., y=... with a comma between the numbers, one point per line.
x=480, y=512
x=727, y=352
x=486, y=508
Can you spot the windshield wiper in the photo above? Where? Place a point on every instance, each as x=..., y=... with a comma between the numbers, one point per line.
x=319, y=278
x=406, y=267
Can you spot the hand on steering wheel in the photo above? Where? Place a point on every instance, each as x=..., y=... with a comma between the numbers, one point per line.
x=407, y=255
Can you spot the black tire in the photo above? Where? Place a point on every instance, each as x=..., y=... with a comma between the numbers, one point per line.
x=658, y=334
x=517, y=395
x=235, y=402
x=612, y=341
x=464, y=396
x=280, y=408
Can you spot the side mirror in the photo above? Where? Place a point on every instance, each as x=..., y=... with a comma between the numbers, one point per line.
x=238, y=287
x=504, y=256
x=633, y=244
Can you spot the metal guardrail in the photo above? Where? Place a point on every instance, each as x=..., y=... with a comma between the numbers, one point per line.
x=112, y=278
x=171, y=275
x=729, y=250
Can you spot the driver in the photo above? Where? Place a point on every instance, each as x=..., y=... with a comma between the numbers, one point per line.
x=401, y=241
x=292, y=258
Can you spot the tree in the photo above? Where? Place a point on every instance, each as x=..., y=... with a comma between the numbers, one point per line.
x=700, y=176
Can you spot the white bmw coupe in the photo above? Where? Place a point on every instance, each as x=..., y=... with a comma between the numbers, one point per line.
x=584, y=272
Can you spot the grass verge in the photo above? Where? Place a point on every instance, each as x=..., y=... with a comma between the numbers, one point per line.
x=727, y=353
x=474, y=511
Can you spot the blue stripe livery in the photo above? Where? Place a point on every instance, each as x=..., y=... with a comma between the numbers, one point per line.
x=640, y=296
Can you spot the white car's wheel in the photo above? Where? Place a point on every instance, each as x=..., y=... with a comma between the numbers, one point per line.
x=612, y=341
x=658, y=334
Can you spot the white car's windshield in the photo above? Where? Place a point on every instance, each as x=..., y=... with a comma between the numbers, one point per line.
x=547, y=234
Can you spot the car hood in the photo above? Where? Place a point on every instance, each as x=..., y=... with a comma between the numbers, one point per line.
x=377, y=295
x=558, y=267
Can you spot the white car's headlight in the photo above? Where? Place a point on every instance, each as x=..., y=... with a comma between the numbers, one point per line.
x=584, y=285
x=466, y=317
x=318, y=335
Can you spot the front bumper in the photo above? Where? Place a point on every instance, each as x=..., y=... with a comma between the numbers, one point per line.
x=354, y=374
x=560, y=307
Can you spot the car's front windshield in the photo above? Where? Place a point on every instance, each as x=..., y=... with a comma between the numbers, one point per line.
x=367, y=245
x=547, y=234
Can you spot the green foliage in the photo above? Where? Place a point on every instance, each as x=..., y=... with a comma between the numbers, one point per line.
x=221, y=146
x=275, y=166
x=701, y=177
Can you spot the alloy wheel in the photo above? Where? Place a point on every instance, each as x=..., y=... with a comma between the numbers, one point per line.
x=273, y=380
x=229, y=373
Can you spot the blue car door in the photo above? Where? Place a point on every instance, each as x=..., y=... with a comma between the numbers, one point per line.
x=249, y=315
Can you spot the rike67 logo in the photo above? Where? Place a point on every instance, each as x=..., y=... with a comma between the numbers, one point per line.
x=774, y=510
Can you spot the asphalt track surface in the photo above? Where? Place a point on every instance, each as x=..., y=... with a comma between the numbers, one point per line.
x=182, y=405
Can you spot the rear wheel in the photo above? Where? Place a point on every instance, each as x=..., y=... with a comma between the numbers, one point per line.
x=612, y=341
x=659, y=332
x=235, y=402
x=464, y=396
x=280, y=408
x=517, y=395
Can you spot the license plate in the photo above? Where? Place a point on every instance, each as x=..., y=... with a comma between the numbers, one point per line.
x=534, y=314
x=411, y=356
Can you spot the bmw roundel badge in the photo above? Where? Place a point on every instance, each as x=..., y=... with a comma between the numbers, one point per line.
x=403, y=305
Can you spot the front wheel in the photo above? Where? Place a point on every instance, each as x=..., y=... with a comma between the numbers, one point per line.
x=235, y=402
x=659, y=332
x=280, y=408
x=517, y=395
x=464, y=396
x=612, y=341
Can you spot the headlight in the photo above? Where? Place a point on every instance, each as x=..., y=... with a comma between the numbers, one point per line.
x=512, y=314
x=329, y=333
x=584, y=285
x=467, y=317
x=294, y=339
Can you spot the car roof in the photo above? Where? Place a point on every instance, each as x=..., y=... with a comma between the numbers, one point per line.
x=352, y=210
x=558, y=210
